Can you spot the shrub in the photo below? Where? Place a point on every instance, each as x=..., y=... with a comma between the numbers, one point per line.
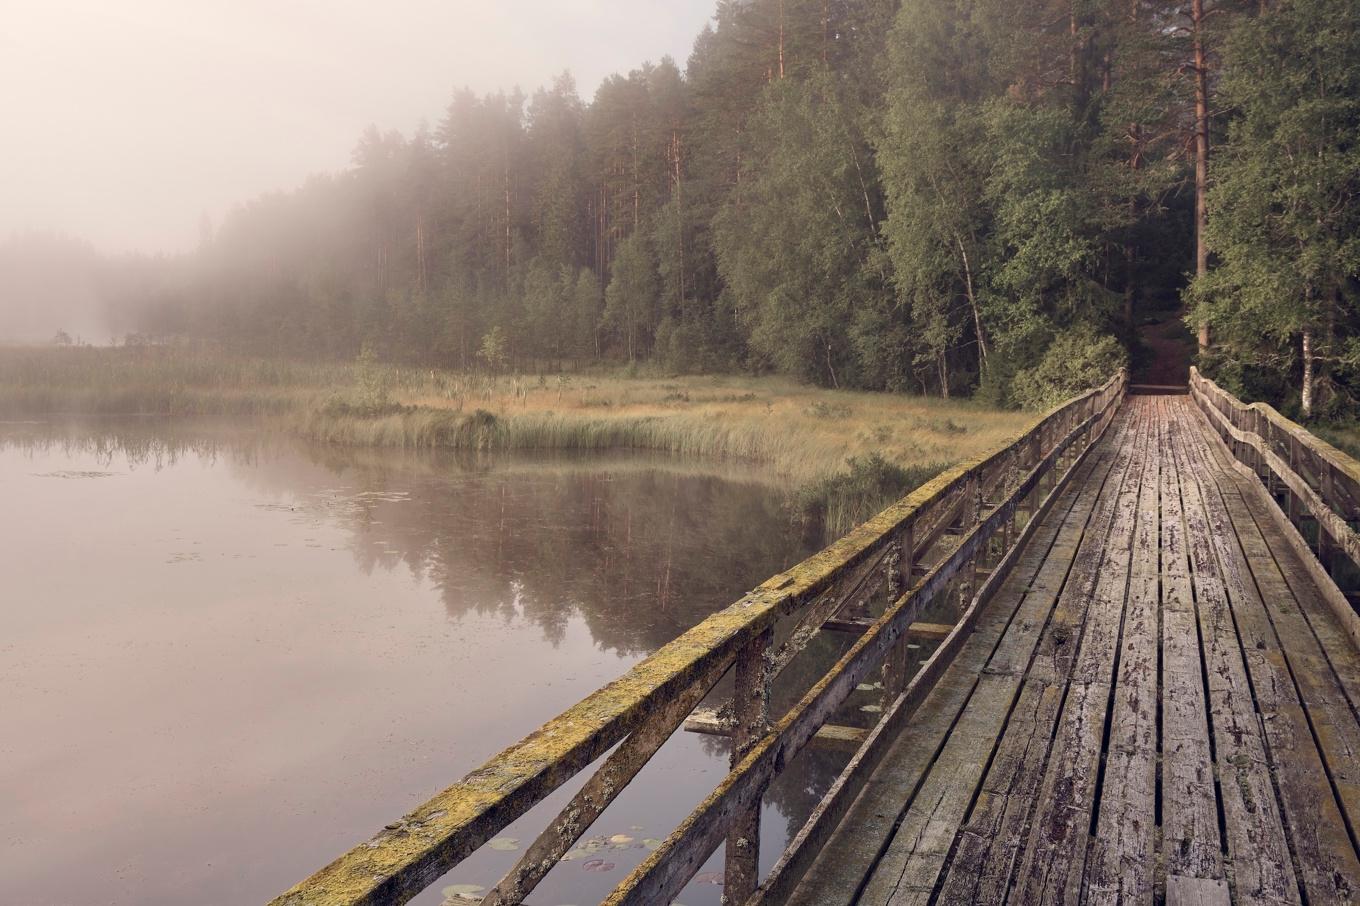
x=1078, y=358
x=869, y=483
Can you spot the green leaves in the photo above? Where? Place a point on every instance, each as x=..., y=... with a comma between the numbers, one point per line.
x=1284, y=212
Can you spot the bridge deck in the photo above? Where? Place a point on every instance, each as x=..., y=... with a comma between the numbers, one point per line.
x=1157, y=705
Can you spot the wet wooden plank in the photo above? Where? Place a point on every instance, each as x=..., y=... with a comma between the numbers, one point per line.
x=991, y=839
x=1052, y=868
x=847, y=858
x=1321, y=845
x=1328, y=667
x=1122, y=858
x=712, y=722
x=1191, y=891
x=1262, y=871
x=1191, y=843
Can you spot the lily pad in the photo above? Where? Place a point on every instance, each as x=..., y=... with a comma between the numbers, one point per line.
x=868, y=687
x=871, y=709
x=455, y=894
x=504, y=844
x=652, y=843
x=599, y=865
x=620, y=841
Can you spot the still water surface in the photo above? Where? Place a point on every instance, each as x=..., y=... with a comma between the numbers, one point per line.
x=226, y=659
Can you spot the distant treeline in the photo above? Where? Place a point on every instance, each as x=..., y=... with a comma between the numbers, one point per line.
x=939, y=196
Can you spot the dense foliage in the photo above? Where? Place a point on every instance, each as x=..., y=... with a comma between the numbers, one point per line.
x=940, y=196
x=1284, y=298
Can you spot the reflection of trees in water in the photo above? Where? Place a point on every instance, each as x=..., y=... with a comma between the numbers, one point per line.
x=640, y=548
x=136, y=444
x=639, y=555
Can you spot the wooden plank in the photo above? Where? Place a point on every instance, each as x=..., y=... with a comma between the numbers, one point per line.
x=919, y=631
x=1188, y=891
x=821, y=824
x=1053, y=864
x=1191, y=842
x=991, y=839
x=847, y=857
x=1262, y=871
x=1121, y=862
x=1321, y=845
x=666, y=871
x=1342, y=660
x=711, y=722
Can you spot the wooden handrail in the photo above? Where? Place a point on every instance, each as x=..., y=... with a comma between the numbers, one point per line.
x=1319, y=483
x=643, y=707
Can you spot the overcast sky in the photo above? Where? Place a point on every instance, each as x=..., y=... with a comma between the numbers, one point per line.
x=123, y=121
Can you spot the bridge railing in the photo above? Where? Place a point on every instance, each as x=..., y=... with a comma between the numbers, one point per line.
x=1316, y=485
x=953, y=538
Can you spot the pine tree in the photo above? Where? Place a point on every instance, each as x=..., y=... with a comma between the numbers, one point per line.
x=1285, y=208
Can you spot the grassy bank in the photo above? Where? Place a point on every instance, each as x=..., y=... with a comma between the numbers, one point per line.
x=806, y=434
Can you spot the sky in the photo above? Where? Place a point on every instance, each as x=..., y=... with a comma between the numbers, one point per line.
x=124, y=122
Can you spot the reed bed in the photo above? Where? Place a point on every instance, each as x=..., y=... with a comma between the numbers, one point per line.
x=804, y=434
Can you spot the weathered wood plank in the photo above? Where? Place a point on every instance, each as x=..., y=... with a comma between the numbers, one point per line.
x=712, y=722
x=1121, y=862
x=991, y=839
x=1192, y=891
x=919, y=631
x=846, y=858
x=1191, y=843
x=1262, y=871
x=1325, y=856
x=1053, y=864
x=1327, y=667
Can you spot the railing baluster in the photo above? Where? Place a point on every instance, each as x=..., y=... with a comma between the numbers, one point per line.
x=894, y=673
x=592, y=799
x=751, y=711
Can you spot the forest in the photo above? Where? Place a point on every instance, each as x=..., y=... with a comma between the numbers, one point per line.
x=942, y=197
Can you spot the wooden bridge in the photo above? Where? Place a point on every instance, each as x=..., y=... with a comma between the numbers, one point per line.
x=1146, y=689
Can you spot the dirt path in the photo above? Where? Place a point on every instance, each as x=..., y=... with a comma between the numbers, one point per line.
x=1168, y=347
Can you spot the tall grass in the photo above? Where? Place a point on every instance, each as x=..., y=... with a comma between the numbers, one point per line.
x=805, y=434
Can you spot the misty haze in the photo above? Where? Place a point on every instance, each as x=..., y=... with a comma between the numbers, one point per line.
x=705, y=451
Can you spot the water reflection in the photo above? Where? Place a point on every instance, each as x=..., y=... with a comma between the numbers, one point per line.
x=259, y=610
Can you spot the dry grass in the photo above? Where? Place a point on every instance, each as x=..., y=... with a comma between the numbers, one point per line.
x=805, y=434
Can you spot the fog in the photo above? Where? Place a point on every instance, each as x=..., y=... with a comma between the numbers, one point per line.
x=126, y=123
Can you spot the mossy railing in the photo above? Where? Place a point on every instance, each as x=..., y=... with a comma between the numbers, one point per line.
x=1316, y=485
x=953, y=539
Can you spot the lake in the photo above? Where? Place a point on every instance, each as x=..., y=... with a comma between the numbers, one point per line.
x=229, y=656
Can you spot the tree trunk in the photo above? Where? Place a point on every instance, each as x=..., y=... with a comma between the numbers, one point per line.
x=1201, y=151
x=1307, y=372
x=507, y=214
x=781, y=39
x=972, y=303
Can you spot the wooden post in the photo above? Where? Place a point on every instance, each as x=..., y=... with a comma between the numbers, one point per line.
x=751, y=710
x=894, y=671
x=1292, y=507
x=1032, y=457
x=969, y=517
x=1325, y=547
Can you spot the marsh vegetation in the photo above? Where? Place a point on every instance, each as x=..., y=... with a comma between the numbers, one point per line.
x=850, y=452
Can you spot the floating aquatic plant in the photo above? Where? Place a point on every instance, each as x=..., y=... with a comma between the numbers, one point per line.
x=457, y=894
